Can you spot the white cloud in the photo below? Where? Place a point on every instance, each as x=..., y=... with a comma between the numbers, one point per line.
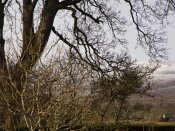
x=166, y=71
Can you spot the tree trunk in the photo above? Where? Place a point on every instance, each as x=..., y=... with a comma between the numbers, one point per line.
x=33, y=47
x=2, y=41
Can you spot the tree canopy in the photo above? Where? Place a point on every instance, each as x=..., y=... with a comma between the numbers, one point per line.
x=93, y=26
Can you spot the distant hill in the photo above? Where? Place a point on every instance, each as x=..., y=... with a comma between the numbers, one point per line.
x=162, y=99
x=166, y=71
x=164, y=78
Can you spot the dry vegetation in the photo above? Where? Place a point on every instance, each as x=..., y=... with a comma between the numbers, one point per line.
x=91, y=77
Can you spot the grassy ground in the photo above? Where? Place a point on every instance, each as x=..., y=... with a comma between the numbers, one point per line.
x=153, y=123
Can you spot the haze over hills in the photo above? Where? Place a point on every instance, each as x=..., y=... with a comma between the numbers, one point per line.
x=166, y=71
x=163, y=90
x=162, y=96
x=164, y=80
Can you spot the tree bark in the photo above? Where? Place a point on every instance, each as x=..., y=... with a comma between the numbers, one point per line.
x=3, y=65
x=33, y=43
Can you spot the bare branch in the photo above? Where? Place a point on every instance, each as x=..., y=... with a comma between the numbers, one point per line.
x=97, y=20
x=147, y=37
x=34, y=4
x=66, y=3
x=76, y=49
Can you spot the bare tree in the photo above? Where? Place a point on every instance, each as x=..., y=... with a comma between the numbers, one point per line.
x=89, y=28
x=110, y=94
